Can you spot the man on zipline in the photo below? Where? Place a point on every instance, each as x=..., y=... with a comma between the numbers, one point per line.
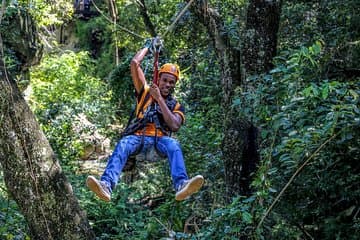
x=157, y=115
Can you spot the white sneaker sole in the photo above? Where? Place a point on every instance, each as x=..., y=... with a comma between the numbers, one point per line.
x=193, y=186
x=94, y=185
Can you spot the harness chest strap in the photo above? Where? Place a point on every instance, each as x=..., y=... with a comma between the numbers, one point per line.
x=150, y=115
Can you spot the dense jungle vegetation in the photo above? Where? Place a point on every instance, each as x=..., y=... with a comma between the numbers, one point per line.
x=306, y=185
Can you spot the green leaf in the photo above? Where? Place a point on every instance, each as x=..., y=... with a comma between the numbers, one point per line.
x=307, y=91
x=246, y=217
x=354, y=94
x=325, y=91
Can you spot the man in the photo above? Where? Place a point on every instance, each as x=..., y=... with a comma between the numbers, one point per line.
x=157, y=115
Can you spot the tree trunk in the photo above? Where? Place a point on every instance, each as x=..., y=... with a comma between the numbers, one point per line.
x=260, y=38
x=145, y=16
x=32, y=174
x=240, y=148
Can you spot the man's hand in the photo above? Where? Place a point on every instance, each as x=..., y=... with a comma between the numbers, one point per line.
x=172, y=120
x=149, y=43
x=157, y=44
x=155, y=92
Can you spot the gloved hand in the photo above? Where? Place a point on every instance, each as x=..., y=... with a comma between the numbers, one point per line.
x=157, y=44
x=149, y=43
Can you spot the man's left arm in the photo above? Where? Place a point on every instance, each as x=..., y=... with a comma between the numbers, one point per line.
x=172, y=119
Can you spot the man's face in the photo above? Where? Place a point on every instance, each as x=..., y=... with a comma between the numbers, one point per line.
x=167, y=83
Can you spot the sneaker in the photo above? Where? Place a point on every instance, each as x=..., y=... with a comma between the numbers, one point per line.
x=189, y=187
x=99, y=188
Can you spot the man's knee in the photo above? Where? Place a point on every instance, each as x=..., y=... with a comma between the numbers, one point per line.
x=171, y=144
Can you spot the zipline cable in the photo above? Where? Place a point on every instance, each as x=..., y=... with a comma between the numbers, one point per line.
x=171, y=27
x=121, y=27
x=168, y=30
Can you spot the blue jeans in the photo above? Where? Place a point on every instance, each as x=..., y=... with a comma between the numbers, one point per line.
x=129, y=144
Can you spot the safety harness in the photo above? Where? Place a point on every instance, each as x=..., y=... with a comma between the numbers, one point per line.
x=152, y=114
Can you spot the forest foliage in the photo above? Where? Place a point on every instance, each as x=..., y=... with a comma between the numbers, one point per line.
x=306, y=107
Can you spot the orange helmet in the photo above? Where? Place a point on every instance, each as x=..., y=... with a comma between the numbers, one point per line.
x=170, y=68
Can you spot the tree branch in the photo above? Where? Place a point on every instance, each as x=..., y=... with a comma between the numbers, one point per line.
x=229, y=56
x=147, y=21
